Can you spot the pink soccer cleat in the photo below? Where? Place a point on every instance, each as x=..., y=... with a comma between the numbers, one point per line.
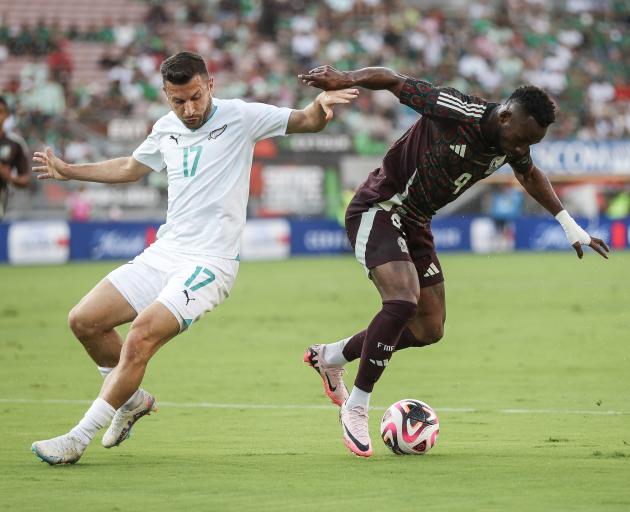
x=332, y=378
x=356, y=435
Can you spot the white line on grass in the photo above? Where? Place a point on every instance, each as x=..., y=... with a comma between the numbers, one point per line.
x=211, y=405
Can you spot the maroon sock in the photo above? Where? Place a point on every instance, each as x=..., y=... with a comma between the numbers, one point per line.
x=352, y=349
x=380, y=341
x=406, y=340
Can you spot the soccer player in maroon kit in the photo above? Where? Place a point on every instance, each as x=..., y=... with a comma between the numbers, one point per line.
x=458, y=140
x=15, y=167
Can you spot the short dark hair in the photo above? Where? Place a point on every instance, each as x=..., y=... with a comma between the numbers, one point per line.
x=535, y=102
x=180, y=68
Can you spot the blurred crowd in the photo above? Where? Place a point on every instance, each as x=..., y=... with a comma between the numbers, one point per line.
x=579, y=50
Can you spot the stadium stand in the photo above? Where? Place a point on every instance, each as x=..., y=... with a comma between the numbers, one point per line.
x=81, y=67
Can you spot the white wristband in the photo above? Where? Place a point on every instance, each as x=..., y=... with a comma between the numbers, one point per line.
x=571, y=228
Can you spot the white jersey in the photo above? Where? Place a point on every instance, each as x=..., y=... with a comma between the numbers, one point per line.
x=208, y=174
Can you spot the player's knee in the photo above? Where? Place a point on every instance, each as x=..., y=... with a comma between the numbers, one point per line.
x=81, y=325
x=434, y=332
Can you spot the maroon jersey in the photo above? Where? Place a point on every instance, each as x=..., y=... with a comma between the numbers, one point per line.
x=443, y=154
x=13, y=153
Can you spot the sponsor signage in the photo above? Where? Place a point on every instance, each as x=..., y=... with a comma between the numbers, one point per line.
x=545, y=234
x=317, y=143
x=452, y=234
x=110, y=240
x=292, y=190
x=319, y=236
x=38, y=242
x=583, y=157
x=51, y=242
x=266, y=239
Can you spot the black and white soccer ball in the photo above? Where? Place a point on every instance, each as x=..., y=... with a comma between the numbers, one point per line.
x=410, y=427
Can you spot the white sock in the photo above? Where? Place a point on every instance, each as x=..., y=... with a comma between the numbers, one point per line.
x=358, y=397
x=97, y=416
x=333, y=354
x=104, y=371
x=134, y=400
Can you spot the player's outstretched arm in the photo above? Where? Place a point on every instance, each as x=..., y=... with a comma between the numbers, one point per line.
x=537, y=185
x=319, y=112
x=375, y=78
x=117, y=170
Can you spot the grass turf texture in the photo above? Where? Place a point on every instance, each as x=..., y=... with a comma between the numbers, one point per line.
x=527, y=331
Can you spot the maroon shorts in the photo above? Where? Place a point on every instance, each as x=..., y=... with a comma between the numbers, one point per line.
x=378, y=236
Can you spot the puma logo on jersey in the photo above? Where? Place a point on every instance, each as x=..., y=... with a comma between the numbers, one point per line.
x=214, y=134
x=432, y=271
x=460, y=149
x=176, y=139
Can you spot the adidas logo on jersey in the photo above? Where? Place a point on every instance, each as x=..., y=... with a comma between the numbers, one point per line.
x=432, y=270
x=460, y=149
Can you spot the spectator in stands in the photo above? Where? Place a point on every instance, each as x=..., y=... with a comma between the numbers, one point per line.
x=15, y=161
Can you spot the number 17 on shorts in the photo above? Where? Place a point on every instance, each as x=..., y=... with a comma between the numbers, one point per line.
x=194, y=290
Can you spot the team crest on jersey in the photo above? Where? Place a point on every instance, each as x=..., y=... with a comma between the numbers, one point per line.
x=214, y=134
x=402, y=244
x=496, y=162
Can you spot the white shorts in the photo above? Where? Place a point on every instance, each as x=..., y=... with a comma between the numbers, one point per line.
x=187, y=285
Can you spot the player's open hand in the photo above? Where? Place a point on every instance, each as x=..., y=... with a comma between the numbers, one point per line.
x=50, y=166
x=597, y=244
x=327, y=78
x=329, y=98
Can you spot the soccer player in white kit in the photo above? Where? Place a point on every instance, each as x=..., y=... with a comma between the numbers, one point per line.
x=206, y=146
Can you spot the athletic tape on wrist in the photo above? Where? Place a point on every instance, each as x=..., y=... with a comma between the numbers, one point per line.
x=572, y=229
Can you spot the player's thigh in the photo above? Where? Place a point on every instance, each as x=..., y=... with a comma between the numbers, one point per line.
x=396, y=280
x=380, y=245
x=138, y=283
x=104, y=307
x=198, y=287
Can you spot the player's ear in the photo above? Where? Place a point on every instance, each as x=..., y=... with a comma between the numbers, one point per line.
x=504, y=113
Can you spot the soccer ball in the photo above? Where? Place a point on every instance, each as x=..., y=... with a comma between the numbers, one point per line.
x=410, y=427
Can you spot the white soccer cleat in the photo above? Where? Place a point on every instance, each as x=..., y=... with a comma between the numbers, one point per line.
x=356, y=435
x=124, y=419
x=65, y=449
x=332, y=378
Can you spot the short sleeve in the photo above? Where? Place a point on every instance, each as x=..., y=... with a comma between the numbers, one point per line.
x=444, y=102
x=266, y=121
x=149, y=153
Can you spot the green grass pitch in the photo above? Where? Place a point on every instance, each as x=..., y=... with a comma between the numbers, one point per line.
x=531, y=383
